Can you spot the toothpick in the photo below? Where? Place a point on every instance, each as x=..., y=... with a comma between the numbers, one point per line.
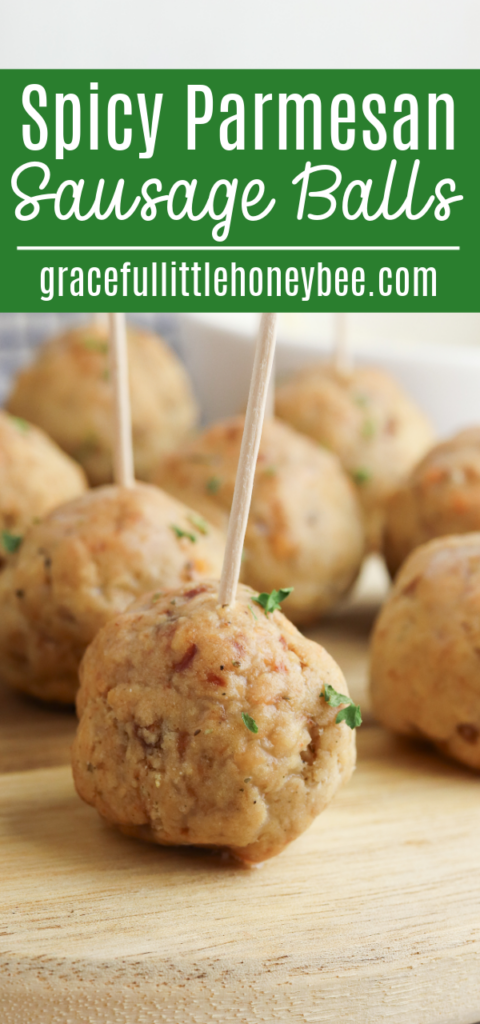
x=252, y=433
x=270, y=403
x=342, y=356
x=100, y=320
x=123, y=451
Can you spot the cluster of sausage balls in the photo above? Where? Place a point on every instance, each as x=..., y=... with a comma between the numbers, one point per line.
x=206, y=725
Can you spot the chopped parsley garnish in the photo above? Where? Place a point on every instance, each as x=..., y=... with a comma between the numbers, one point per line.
x=360, y=399
x=361, y=475
x=156, y=597
x=214, y=484
x=351, y=714
x=183, y=533
x=199, y=523
x=236, y=664
x=20, y=424
x=95, y=345
x=11, y=541
x=249, y=722
x=270, y=471
x=272, y=602
x=252, y=612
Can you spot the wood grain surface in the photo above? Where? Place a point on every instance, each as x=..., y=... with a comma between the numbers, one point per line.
x=373, y=915
x=32, y=734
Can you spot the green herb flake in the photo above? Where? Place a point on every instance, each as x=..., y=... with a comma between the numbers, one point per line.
x=199, y=523
x=361, y=400
x=252, y=612
x=272, y=602
x=183, y=533
x=361, y=475
x=368, y=429
x=156, y=597
x=236, y=664
x=87, y=446
x=249, y=722
x=270, y=471
x=11, y=541
x=350, y=714
x=95, y=345
x=20, y=424
x=213, y=484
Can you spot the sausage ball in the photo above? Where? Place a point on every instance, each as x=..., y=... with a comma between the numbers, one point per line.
x=82, y=564
x=368, y=421
x=305, y=526
x=441, y=496
x=67, y=390
x=34, y=476
x=425, y=659
x=207, y=726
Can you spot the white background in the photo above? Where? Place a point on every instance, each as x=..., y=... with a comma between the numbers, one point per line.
x=243, y=33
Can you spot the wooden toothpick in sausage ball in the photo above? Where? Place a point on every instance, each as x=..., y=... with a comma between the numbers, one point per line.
x=229, y=728
x=342, y=354
x=252, y=433
x=129, y=538
x=123, y=448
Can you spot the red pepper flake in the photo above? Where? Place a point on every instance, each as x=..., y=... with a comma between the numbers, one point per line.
x=234, y=431
x=193, y=593
x=468, y=732
x=411, y=587
x=391, y=426
x=182, y=741
x=212, y=678
x=187, y=658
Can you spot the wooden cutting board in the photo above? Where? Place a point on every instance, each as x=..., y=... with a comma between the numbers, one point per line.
x=372, y=916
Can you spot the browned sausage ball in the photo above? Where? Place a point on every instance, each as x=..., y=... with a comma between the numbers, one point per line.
x=305, y=526
x=441, y=496
x=35, y=475
x=425, y=659
x=368, y=421
x=162, y=750
x=67, y=390
x=86, y=561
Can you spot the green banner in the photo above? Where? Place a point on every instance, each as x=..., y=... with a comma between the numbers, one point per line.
x=224, y=190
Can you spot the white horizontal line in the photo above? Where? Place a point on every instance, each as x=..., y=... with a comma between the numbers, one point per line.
x=238, y=248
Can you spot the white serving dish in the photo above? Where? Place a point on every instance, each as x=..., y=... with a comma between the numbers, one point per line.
x=443, y=378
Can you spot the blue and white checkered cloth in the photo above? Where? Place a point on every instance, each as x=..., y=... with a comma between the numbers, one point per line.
x=20, y=333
